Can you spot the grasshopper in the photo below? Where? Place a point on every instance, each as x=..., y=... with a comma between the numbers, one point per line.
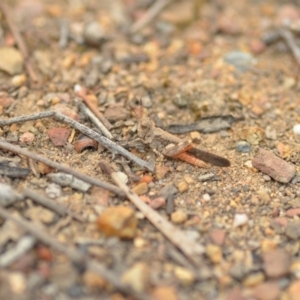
x=172, y=146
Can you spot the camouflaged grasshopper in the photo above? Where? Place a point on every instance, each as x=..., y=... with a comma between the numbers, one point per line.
x=172, y=146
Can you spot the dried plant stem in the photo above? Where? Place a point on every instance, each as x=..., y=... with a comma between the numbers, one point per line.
x=96, y=121
x=175, y=235
x=153, y=11
x=19, y=40
x=291, y=43
x=71, y=252
x=60, y=167
x=107, y=143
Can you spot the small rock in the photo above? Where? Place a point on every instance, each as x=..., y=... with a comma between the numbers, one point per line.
x=53, y=190
x=27, y=138
x=84, y=143
x=270, y=133
x=157, y=203
x=59, y=135
x=243, y=147
x=218, y=236
x=276, y=263
x=122, y=176
x=93, y=280
x=179, y=216
x=214, y=253
x=274, y=166
x=296, y=129
x=235, y=294
x=116, y=112
x=240, y=219
x=240, y=60
x=5, y=101
x=161, y=171
x=138, y=277
x=185, y=276
x=40, y=214
x=141, y=188
x=165, y=292
x=18, y=80
x=93, y=34
x=206, y=177
x=206, y=197
x=17, y=282
x=188, y=178
x=118, y=221
x=182, y=186
x=257, y=46
x=267, y=291
x=293, y=212
x=292, y=230
x=294, y=290
x=254, y=279
x=11, y=60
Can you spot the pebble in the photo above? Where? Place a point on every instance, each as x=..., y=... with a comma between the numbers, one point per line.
x=274, y=166
x=27, y=138
x=254, y=279
x=182, y=186
x=296, y=129
x=218, y=236
x=185, y=276
x=240, y=219
x=17, y=282
x=161, y=171
x=137, y=277
x=214, y=253
x=206, y=197
x=292, y=230
x=293, y=212
x=188, y=178
x=53, y=190
x=11, y=60
x=206, y=177
x=93, y=34
x=84, y=143
x=38, y=213
x=157, y=203
x=58, y=135
x=165, y=292
x=267, y=291
x=179, y=216
x=141, y=188
x=294, y=290
x=18, y=80
x=93, y=280
x=276, y=263
x=242, y=61
x=118, y=221
x=116, y=112
x=243, y=147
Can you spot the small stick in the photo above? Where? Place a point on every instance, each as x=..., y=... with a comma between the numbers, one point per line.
x=63, y=33
x=19, y=40
x=71, y=252
x=61, y=167
x=107, y=143
x=56, y=207
x=291, y=43
x=81, y=93
x=24, y=244
x=95, y=120
x=152, y=12
x=175, y=235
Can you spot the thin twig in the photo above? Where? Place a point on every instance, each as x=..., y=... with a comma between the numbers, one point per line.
x=19, y=40
x=107, y=143
x=61, y=167
x=56, y=207
x=152, y=12
x=291, y=43
x=71, y=252
x=95, y=120
x=175, y=235
x=93, y=108
x=63, y=33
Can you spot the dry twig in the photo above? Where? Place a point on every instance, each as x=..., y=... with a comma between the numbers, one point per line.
x=61, y=167
x=175, y=235
x=107, y=143
x=291, y=43
x=152, y=12
x=19, y=40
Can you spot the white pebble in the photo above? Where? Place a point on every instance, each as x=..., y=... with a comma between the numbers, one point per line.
x=296, y=129
x=240, y=219
x=206, y=197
